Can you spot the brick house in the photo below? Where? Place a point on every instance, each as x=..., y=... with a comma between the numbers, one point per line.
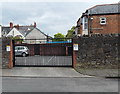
x=100, y=19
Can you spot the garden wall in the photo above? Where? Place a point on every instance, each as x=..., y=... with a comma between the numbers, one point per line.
x=5, y=54
x=98, y=51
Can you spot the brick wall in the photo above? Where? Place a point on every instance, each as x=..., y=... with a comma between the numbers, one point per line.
x=98, y=50
x=111, y=25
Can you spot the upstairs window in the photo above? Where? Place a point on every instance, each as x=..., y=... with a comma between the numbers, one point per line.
x=86, y=23
x=102, y=20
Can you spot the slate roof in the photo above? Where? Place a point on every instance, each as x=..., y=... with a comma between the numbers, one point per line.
x=6, y=29
x=104, y=9
x=24, y=30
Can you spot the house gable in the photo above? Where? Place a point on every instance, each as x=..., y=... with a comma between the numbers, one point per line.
x=36, y=34
x=14, y=32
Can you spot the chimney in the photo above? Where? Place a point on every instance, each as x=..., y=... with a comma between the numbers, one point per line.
x=11, y=25
x=17, y=26
x=34, y=24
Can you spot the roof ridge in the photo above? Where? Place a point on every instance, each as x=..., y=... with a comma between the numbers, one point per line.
x=25, y=25
x=20, y=26
x=6, y=26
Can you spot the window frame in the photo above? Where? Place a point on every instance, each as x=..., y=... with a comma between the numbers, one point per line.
x=103, y=19
x=85, y=23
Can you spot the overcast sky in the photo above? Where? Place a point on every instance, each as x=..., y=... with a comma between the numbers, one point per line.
x=51, y=17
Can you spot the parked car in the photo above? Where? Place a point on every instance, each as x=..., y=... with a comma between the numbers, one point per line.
x=21, y=51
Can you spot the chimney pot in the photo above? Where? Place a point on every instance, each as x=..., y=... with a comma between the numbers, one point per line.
x=18, y=26
x=11, y=25
x=34, y=24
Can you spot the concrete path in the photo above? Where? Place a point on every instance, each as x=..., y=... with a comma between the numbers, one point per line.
x=41, y=72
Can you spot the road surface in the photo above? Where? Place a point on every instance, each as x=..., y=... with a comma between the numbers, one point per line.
x=14, y=84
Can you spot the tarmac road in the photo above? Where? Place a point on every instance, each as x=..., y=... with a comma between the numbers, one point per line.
x=16, y=84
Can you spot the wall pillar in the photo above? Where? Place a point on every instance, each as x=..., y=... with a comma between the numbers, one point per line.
x=74, y=59
x=75, y=50
x=10, y=65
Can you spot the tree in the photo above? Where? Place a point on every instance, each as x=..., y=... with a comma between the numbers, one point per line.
x=70, y=32
x=59, y=37
x=17, y=38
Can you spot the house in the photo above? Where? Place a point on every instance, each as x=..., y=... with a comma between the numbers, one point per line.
x=25, y=32
x=100, y=19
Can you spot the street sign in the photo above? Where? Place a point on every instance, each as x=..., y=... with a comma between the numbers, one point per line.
x=75, y=47
x=8, y=48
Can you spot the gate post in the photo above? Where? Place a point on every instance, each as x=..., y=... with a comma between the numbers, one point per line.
x=11, y=55
x=75, y=50
x=74, y=59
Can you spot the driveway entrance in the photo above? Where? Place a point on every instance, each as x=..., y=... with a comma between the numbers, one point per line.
x=41, y=53
x=41, y=72
x=50, y=61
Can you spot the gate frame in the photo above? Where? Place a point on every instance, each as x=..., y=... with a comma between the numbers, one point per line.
x=13, y=43
x=13, y=55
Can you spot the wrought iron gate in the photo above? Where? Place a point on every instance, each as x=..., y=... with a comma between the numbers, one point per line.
x=36, y=53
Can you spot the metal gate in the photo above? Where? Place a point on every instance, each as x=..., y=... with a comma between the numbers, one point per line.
x=40, y=53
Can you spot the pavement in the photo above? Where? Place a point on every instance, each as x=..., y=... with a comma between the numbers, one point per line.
x=41, y=72
x=108, y=73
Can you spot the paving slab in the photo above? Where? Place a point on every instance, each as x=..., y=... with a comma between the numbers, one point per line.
x=41, y=72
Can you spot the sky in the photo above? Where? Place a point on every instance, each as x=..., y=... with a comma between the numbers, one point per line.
x=53, y=16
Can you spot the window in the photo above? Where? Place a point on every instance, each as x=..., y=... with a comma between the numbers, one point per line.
x=16, y=48
x=19, y=48
x=103, y=20
x=86, y=23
